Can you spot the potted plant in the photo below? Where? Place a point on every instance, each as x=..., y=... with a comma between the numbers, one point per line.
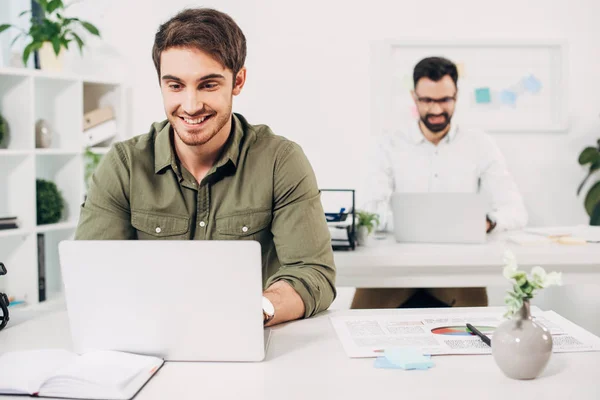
x=51, y=32
x=521, y=346
x=50, y=203
x=367, y=222
x=591, y=156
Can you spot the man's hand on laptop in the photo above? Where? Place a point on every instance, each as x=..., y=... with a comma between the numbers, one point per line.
x=287, y=302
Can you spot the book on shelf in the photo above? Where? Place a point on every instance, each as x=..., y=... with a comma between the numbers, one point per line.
x=8, y=223
x=100, y=133
x=41, y=248
x=60, y=373
x=97, y=117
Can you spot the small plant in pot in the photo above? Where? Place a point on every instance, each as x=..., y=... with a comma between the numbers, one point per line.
x=367, y=222
x=51, y=32
x=50, y=203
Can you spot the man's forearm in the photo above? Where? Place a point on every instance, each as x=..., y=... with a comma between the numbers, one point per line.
x=287, y=302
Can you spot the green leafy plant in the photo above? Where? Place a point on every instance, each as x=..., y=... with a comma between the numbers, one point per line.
x=91, y=161
x=525, y=286
x=52, y=27
x=367, y=219
x=50, y=203
x=591, y=156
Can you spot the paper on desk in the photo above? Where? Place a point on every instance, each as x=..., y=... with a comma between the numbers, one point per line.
x=439, y=334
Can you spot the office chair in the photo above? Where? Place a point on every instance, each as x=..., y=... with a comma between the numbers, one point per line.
x=3, y=302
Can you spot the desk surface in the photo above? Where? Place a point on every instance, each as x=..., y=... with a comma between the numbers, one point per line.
x=305, y=360
x=385, y=263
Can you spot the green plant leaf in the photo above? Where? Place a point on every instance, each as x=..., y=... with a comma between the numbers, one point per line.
x=90, y=28
x=56, y=45
x=28, y=49
x=78, y=40
x=592, y=199
x=15, y=39
x=589, y=155
x=53, y=5
x=4, y=27
x=24, y=12
x=595, y=218
x=593, y=168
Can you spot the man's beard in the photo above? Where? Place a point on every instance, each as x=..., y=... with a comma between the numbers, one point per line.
x=436, y=128
x=198, y=137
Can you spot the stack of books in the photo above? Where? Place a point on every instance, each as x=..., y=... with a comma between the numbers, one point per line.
x=8, y=223
x=99, y=126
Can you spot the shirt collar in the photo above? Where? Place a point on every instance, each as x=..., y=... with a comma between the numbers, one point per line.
x=416, y=136
x=164, y=154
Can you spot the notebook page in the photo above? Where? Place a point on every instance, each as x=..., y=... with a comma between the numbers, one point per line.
x=104, y=368
x=102, y=375
x=25, y=371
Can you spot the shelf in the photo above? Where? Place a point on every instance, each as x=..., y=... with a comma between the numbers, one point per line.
x=9, y=152
x=28, y=72
x=56, y=152
x=60, y=226
x=99, y=150
x=13, y=232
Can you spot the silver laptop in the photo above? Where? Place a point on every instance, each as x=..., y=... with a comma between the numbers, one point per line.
x=179, y=300
x=439, y=217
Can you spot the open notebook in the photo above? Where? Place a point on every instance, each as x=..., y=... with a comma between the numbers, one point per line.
x=60, y=373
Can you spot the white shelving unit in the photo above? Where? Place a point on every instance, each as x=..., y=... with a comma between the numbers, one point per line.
x=27, y=96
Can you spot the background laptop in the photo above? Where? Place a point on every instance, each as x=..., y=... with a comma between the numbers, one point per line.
x=180, y=300
x=439, y=217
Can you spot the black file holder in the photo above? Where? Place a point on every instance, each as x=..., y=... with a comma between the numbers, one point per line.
x=350, y=243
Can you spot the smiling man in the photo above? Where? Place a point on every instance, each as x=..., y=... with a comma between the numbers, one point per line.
x=206, y=173
x=436, y=155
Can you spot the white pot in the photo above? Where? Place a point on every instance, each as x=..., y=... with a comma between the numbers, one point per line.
x=362, y=236
x=48, y=59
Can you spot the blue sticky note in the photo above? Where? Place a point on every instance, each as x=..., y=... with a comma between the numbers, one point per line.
x=483, y=95
x=508, y=97
x=404, y=358
x=532, y=84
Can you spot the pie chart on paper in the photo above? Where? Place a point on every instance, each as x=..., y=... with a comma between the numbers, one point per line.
x=461, y=330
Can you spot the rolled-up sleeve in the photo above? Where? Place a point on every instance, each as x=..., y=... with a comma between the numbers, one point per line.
x=300, y=232
x=105, y=214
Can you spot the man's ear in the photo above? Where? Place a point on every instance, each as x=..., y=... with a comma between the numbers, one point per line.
x=239, y=81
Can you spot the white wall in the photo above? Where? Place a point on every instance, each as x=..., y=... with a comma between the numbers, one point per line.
x=308, y=78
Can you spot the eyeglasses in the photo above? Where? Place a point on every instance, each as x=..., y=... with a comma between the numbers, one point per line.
x=3, y=302
x=443, y=102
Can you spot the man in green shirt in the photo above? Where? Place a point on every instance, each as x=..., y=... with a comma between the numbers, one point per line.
x=206, y=173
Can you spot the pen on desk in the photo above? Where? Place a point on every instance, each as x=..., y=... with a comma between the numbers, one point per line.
x=485, y=339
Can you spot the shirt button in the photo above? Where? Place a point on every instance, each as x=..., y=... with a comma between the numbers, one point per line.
x=202, y=224
x=158, y=229
x=244, y=229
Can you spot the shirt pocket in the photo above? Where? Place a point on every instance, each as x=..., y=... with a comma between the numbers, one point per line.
x=251, y=225
x=152, y=226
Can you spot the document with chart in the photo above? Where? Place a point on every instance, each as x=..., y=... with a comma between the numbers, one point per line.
x=366, y=335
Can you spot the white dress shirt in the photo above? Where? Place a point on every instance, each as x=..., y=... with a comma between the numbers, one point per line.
x=463, y=161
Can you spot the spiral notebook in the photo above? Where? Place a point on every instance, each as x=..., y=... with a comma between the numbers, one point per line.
x=109, y=375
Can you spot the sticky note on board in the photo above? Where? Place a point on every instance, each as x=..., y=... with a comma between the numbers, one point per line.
x=532, y=84
x=483, y=95
x=508, y=97
x=404, y=358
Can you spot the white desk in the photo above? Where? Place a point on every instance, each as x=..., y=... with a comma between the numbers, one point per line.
x=306, y=361
x=386, y=263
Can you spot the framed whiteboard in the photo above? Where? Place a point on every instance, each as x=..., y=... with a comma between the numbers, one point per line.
x=502, y=86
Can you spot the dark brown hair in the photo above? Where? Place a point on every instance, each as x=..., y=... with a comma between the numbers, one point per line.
x=209, y=30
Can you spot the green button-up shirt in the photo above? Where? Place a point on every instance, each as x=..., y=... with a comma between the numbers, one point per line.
x=261, y=188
